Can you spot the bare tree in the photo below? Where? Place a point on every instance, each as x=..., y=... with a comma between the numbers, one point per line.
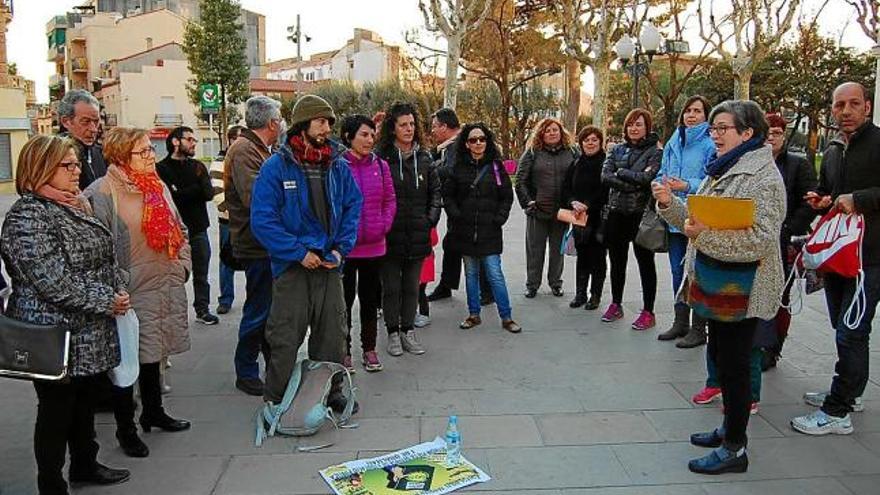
x=868, y=17
x=588, y=29
x=756, y=27
x=453, y=19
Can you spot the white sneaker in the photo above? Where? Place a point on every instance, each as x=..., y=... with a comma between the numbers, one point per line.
x=411, y=343
x=819, y=423
x=421, y=321
x=394, y=346
x=816, y=399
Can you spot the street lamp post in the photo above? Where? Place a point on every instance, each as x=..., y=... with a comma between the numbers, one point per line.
x=628, y=49
x=876, y=52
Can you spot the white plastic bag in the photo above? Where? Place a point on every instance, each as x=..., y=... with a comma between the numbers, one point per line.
x=127, y=327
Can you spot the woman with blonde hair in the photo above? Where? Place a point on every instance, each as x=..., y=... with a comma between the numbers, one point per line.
x=539, y=180
x=133, y=202
x=61, y=261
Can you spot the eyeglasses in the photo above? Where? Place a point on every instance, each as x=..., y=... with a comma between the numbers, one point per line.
x=776, y=133
x=720, y=129
x=70, y=166
x=146, y=153
x=477, y=139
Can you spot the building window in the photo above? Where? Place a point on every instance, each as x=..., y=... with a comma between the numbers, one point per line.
x=5, y=156
x=210, y=147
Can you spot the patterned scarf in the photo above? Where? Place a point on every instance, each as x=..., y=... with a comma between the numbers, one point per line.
x=158, y=222
x=308, y=155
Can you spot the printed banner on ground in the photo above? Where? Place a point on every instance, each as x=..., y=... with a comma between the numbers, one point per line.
x=417, y=470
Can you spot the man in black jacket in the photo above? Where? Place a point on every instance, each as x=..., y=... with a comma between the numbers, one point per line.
x=191, y=189
x=850, y=180
x=79, y=114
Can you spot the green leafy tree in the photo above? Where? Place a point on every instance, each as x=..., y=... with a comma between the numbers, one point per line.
x=216, y=51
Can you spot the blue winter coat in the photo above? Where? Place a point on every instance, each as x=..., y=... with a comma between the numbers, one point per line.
x=282, y=219
x=689, y=162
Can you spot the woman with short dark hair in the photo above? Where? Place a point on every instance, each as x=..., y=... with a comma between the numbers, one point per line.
x=734, y=277
x=585, y=193
x=629, y=169
x=361, y=274
x=62, y=265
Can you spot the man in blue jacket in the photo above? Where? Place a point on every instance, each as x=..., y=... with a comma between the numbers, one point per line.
x=305, y=211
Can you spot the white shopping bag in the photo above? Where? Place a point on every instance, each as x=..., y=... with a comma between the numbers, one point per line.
x=127, y=326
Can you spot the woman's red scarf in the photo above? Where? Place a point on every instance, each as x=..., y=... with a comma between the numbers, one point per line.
x=158, y=222
x=308, y=155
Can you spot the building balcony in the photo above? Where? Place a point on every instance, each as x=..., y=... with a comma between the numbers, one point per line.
x=168, y=119
x=79, y=64
x=56, y=80
x=55, y=54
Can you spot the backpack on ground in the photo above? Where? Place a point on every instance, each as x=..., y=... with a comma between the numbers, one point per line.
x=304, y=407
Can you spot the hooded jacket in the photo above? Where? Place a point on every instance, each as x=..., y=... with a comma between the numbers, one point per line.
x=376, y=185
x=628, y=172
x=476, y=215
x=417, y=187
x=685, y=157
x=282, y=219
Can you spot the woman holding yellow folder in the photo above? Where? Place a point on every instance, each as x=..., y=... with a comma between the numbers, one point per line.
x=734, y=276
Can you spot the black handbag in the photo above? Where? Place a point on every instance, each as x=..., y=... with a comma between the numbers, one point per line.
x=652, y=233
x=33, y=352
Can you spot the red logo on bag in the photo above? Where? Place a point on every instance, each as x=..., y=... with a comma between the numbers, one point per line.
x=835, y=245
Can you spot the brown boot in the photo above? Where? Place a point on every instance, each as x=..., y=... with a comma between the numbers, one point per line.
x=681, y=325
x=697, y=335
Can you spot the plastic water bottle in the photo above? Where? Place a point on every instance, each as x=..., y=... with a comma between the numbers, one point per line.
x=453, y=443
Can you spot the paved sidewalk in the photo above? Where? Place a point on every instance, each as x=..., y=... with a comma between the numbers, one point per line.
x=570, y=406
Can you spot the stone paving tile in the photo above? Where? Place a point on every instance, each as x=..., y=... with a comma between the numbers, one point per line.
x=611, y=396
x=871, y=441
x=555, y=467
x=596, y=428
x=487, y=431
x=386, y=434
x=677, y=425
x=861, y=485
x=414, y=403
x=812, y=486
x=641, y=490
x=292, y=474
x=189, y=475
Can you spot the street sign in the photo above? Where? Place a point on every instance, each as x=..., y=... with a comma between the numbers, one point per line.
x=209, y=98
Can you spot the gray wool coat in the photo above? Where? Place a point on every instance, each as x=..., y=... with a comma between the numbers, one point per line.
x=755, y=176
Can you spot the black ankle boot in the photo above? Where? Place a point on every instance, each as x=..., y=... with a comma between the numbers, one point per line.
x=131, y=443
x=153, y=414
x=593, y=303
x=580, y=298
x=163, y=422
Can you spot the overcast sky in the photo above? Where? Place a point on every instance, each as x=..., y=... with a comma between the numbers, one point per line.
x=329, y=23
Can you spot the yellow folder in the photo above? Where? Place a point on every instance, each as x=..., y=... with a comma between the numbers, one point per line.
x=722, y=213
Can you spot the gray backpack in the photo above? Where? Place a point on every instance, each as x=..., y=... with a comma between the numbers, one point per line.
x=304, y=406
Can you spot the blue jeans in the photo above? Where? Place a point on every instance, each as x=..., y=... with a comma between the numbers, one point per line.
x=227, y=275
x=254, y=313
x=492, y=265
x=851, y=370
x=678, y=244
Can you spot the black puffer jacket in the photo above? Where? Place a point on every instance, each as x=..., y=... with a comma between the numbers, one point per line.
x=418, y=203
x=628, y=172
x=476, y=214
x=583, y=182
x=799, y=178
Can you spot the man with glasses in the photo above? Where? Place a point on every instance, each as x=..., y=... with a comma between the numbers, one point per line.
x=79, y=114
x=191, y=188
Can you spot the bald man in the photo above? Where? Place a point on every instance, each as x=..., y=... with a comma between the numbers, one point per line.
x=850, y=179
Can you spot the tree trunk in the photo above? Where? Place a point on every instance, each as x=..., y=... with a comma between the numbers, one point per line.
x=670, y=121
x=573, y=106
x=812, y=139
x=601, y=78
x=741, y=84
x=505, y=122
x=450, y=96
